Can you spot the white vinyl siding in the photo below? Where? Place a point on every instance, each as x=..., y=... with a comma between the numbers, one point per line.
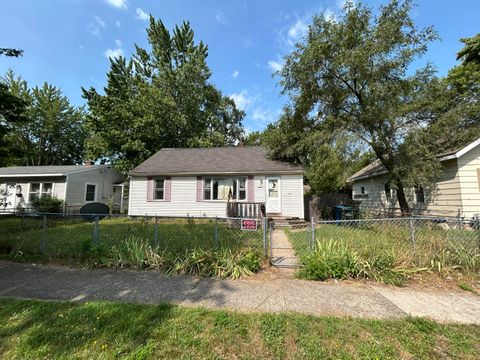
x=468, y=166
x=291, y=188
x=183, y=198
x=104, y=178
x=445, y=200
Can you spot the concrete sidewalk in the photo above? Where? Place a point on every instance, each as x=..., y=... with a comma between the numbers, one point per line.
x=356, y=300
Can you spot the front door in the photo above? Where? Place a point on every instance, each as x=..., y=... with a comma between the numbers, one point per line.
x=9, y=203
x=273, y=197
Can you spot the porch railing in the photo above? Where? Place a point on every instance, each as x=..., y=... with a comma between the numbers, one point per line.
x=255, y=210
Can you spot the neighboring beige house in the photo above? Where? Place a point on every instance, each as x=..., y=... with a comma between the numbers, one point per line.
x=76, y=185
x=216, y=182
x=457, y=190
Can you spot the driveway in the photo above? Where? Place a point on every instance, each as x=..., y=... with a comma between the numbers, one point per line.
x=355, y=300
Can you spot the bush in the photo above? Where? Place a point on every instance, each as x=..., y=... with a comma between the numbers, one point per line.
x=330, y=259
x=48, y=204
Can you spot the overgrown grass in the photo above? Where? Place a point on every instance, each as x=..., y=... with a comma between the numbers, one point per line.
x=182, y=247
x=386, y=251
x=101, y=330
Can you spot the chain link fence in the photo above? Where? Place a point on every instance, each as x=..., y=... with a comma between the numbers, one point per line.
x=416, y=242
x=67, y=236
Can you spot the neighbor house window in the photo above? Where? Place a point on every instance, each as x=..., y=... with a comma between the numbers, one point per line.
x=225, y=188
x=388, y=192
x=90, y=191
x=362, y=190
x=159, y=192
x=419, y=195
x=34, y=192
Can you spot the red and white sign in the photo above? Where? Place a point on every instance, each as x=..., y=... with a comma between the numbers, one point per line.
x=249, y=224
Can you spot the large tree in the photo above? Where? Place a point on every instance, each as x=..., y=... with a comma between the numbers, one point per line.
x=353, y=75
x=161, y=97
x=54, y=133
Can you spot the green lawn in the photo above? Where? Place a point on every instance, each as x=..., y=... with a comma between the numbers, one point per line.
x=181, y=247
x=101, y=330
x=391, y=246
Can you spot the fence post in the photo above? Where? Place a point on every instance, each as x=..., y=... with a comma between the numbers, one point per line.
x=216, y=232
x=412, y=232
x=312, y=223
x=155, y=233
x=265, y=239
x=271, y=237
x=95, y=231
x=43, y=239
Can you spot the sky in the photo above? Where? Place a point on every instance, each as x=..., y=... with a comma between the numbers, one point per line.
x=67, y=43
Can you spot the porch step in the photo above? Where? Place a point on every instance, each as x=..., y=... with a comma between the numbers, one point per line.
x=291, y=223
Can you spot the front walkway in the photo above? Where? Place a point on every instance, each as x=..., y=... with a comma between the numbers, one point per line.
x=282, y=253
x=356, y=300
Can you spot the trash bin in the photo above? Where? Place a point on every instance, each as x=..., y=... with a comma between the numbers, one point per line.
x=342, y=212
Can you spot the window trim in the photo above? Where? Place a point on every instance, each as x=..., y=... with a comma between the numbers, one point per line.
x=40, y=189
x=95, y=194
x=234, y=178
x=155, y=179
x=416, y=191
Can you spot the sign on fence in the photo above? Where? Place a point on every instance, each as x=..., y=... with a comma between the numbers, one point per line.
x=249, y=224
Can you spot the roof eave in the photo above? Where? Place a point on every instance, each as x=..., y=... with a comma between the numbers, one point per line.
x=32, y=175
x=189, y=173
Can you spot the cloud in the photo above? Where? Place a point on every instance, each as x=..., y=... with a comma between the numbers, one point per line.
x=95, y=26
x=141, y=15
x=118, y=42
x=118, y=23
x=298, y=30
x=113, y=53
x=220, y=17
x=275, y=65
x=235, y=74
x=242, y=99
x=247, y=43
x=119, y=4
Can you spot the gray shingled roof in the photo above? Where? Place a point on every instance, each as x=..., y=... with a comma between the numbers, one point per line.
x=220, y=160
x=45, y=170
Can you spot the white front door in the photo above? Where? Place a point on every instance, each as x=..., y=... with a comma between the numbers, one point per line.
x=273, y=196
x=9, y=204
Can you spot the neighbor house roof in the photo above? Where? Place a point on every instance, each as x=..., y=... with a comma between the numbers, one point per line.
x=376, y=168
x=48, y=170
x=213, y=161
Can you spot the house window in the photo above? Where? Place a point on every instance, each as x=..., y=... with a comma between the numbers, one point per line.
x=419, y=195
x=47, y=189
x=90, y=191
x=225, y=189
x=388, y=192
x=159, y=189
x=362, y=190
x=34, y=192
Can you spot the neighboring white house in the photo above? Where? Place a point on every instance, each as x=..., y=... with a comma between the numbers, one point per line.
x=76, y=185
x=216, y=182
x=457, y=191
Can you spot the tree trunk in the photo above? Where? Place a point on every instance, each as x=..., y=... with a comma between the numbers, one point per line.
x=402, y=199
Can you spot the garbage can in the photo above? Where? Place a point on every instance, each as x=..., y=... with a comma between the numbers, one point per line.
x=342, y=212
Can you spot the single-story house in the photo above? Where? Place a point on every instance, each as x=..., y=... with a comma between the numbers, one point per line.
x=456, y=192
x=76, y=185
x=216, y=182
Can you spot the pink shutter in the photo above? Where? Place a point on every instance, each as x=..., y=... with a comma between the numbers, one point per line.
x=199, y=188
x=250, y=189
x=149, y=189
x=168, y=188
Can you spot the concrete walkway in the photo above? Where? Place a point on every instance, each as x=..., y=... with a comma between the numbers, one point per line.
x=356, y=300
x=282, y=254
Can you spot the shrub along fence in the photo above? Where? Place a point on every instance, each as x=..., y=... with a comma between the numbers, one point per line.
x=387, y=249
x=206, y=246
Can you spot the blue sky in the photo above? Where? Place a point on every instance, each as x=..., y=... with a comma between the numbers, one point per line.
x=67, y=42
